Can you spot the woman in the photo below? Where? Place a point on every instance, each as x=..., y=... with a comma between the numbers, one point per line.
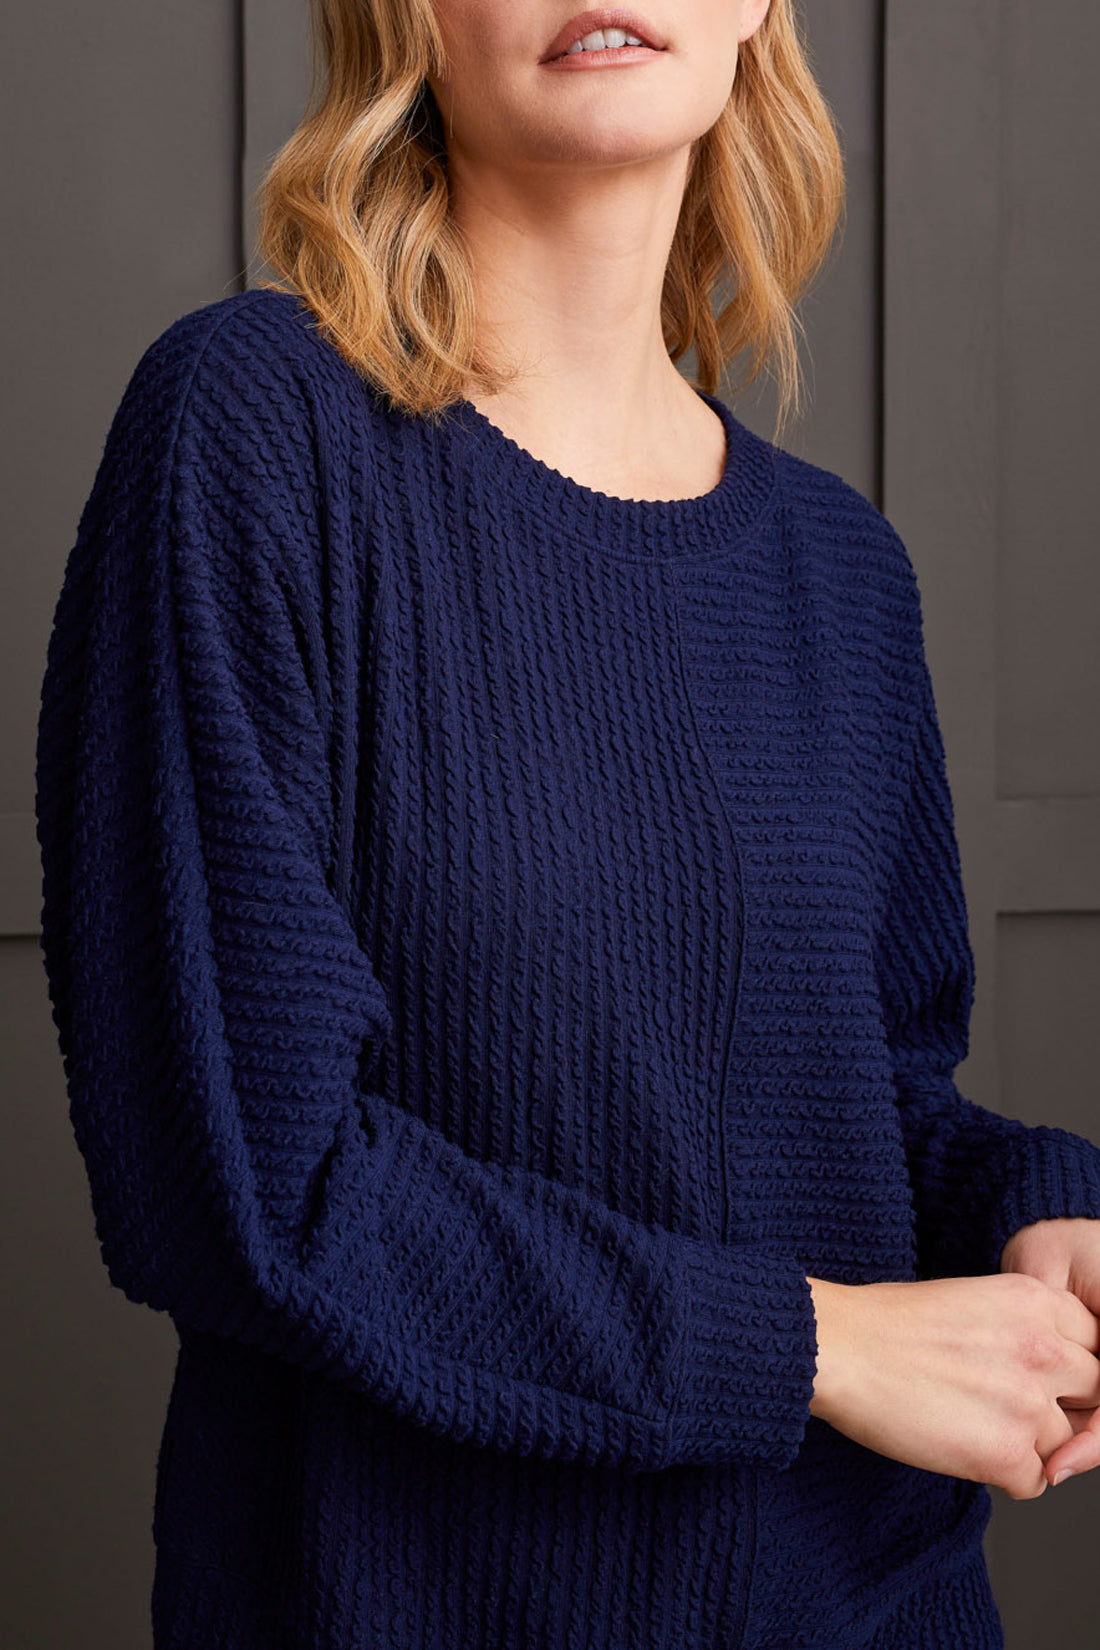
x=502, y=909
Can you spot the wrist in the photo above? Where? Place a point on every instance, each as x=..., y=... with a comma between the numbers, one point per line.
x=834, y=1306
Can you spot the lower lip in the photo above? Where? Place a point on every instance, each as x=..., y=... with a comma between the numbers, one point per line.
x=611, y=57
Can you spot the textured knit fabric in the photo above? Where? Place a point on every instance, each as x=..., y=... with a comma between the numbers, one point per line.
x=503, y=939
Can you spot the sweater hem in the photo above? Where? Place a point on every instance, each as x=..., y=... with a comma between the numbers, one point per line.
x=950, y=1557
x=952, y=1611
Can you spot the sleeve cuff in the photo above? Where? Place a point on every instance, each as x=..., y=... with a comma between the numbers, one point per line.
x=1056, y=1176
x=749, y=1357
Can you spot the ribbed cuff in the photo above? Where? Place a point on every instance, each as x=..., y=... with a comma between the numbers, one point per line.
x=1056, y=1175
x=749, y=1356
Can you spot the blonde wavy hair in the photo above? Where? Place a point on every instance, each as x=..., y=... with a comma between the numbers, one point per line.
x=354, y=212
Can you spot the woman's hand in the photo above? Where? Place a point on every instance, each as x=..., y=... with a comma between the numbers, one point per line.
x=958, y=1375
x=1066, y=1255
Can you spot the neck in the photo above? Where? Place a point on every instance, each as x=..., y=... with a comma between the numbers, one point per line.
x=569, y=273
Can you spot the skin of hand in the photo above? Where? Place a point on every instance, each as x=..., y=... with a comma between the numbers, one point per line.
x=1065, y=1254
x=958, y=1375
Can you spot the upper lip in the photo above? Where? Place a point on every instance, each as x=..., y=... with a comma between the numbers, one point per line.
x=615, y=18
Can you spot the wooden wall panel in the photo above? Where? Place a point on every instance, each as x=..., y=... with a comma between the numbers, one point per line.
x=121, y=201
x=275, y=84
x=1048, y=676
x=121, y=211
x=990, y=357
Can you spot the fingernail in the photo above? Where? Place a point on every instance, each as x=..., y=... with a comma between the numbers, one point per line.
x=1066, y=1472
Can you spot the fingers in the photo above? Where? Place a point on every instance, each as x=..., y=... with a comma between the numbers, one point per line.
x=1081, y=1452
x=1073, y=1319
x=1057, y=1431
x=1078, y=1421
x=1077, y=1377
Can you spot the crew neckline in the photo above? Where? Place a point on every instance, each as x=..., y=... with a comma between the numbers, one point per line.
x=641, y=528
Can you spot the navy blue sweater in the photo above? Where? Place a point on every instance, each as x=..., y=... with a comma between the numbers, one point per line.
x=503, y=938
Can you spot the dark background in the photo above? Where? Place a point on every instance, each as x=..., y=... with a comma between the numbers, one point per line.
x=953, y=354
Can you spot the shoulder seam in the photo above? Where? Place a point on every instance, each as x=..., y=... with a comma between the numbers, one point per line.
x=182, y=409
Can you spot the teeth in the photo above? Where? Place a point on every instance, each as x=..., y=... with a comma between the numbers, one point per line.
x=600, y=39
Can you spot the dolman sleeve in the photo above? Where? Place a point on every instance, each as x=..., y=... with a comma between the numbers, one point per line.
x=976, y=1176
x=220, y=1023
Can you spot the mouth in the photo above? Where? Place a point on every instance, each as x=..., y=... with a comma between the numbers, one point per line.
x=637, y=33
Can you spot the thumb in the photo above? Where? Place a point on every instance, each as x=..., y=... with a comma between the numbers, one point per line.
x=1081, y=1452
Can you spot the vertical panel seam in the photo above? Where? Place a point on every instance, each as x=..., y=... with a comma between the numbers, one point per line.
x=240, y=202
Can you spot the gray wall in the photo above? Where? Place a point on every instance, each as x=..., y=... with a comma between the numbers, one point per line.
x=991, y=356
x=953, y=349
x=121, y=210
